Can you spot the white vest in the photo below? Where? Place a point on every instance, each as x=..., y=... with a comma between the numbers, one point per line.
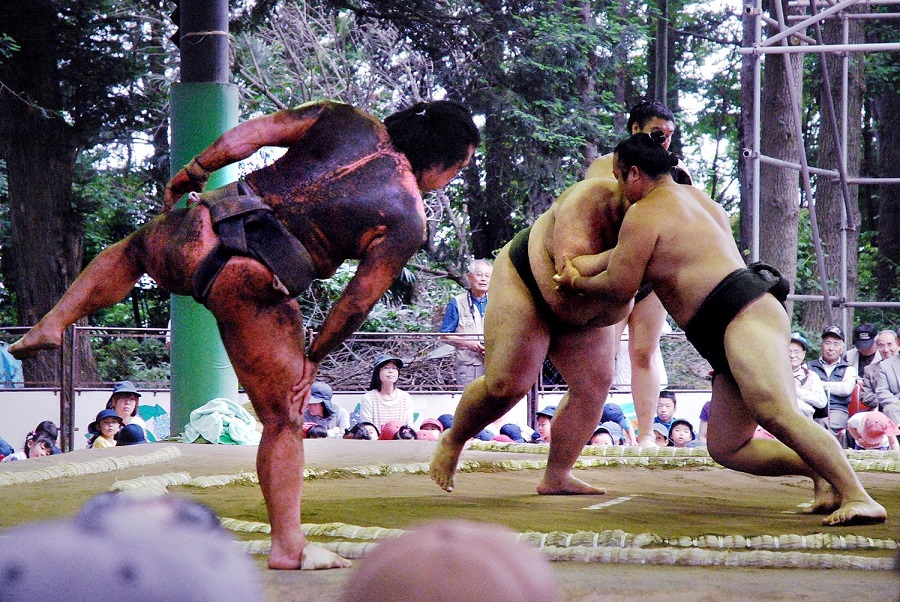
x=470, y=322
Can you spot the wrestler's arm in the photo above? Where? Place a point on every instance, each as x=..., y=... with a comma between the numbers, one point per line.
x=627, y=263
x=588, y=216
x=283, y=129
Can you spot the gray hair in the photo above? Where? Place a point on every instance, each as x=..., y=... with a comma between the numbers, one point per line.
x=474, y=263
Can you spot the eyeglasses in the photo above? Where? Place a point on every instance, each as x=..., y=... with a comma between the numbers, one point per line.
x=796, y=352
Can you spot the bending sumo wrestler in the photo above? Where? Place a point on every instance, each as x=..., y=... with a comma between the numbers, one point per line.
x=679, y=240
x=527, y=319
x=348, y=187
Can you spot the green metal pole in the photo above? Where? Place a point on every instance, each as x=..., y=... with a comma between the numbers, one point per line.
x=201, y=370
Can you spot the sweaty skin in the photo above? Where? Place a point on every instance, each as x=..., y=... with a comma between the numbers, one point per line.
x=345, y=193
x=680, y=240
x=518, y=338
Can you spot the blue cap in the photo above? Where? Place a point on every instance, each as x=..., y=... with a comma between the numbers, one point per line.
x=513, y=431
x=94, y=427
x=548, y=411
x=446, y=420
x=131, y=434
x=320, y=392
x=126, y=386
x=798, y=338
x=485, y=435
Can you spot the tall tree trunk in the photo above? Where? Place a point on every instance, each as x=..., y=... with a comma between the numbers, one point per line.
x=40, y=149
x=829, y=200
x=886, y=108
x=779, y=191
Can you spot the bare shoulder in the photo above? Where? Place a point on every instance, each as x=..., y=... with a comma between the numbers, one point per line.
x=602, y=167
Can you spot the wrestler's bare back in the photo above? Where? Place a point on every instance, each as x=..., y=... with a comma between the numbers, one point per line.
x=585, y=219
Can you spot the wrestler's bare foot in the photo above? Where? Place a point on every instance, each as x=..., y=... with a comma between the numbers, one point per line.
x=568, y=485
x=35, y=340
x=312, y=558
x=826, y=498
x=443, y=463
x=647, y=441
x=857, y=513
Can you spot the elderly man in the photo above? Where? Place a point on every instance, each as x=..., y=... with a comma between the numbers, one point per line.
x=465, y=315
x=887, y=388
x=888, y=345
x=839, y=378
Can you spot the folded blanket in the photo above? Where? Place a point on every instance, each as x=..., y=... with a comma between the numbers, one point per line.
x=222, y=421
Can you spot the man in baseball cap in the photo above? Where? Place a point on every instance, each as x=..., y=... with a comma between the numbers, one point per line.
x=839, y=378
x=862, y=354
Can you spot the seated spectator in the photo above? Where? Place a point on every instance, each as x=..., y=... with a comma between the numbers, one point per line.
x=704, y=424
x=405, y=432
x=131, y=434
x=543, y=420
x=431, y=424
x=430, y=430
x=513, y=431
x=662, y=434
x=612, y=412
x=873, y=430
x=104, y=428
x=322, y=411
x=811, y=395
x=384, y=402
x=608, y=433
x=360, y=431
x=887, y=388
x=681, y=433
x=124, y=400
x=49, y=428
x=35, y=447
x=5, y=449
x=389, y=429
x=446, y=420
x=863, y=352
x=665, y=408
x=453, y=560
x=311, y=430
x=120, y=547
x=888, y=346
x=839, y=378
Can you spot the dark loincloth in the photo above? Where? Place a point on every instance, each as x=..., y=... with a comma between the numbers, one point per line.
x=706, y=330
x=518, y=255
x=247, y=227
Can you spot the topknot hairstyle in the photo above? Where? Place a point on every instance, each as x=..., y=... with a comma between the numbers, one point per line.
x=646, y=110
x=433, y=133
x=645, y=152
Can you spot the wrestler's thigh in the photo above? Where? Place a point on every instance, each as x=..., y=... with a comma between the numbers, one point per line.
x=262, y=330
x=515, y=336
x=756, y=347
x=586, y=359
x=731, y=424
x=645, y=325
x=173, y=245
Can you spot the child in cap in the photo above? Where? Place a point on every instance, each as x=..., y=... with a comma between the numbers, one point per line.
x=131, y=434
x=681, y=433
x=104, y=428
x=661, y=432
x=873, y=430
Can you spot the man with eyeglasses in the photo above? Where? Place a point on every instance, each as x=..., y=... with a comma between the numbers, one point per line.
x=810, y=390
x=465, y=315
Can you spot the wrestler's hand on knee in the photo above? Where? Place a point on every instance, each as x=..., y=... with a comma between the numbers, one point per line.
x=302, y=389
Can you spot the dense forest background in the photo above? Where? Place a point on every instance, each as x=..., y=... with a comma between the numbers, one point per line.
x=84, y=153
